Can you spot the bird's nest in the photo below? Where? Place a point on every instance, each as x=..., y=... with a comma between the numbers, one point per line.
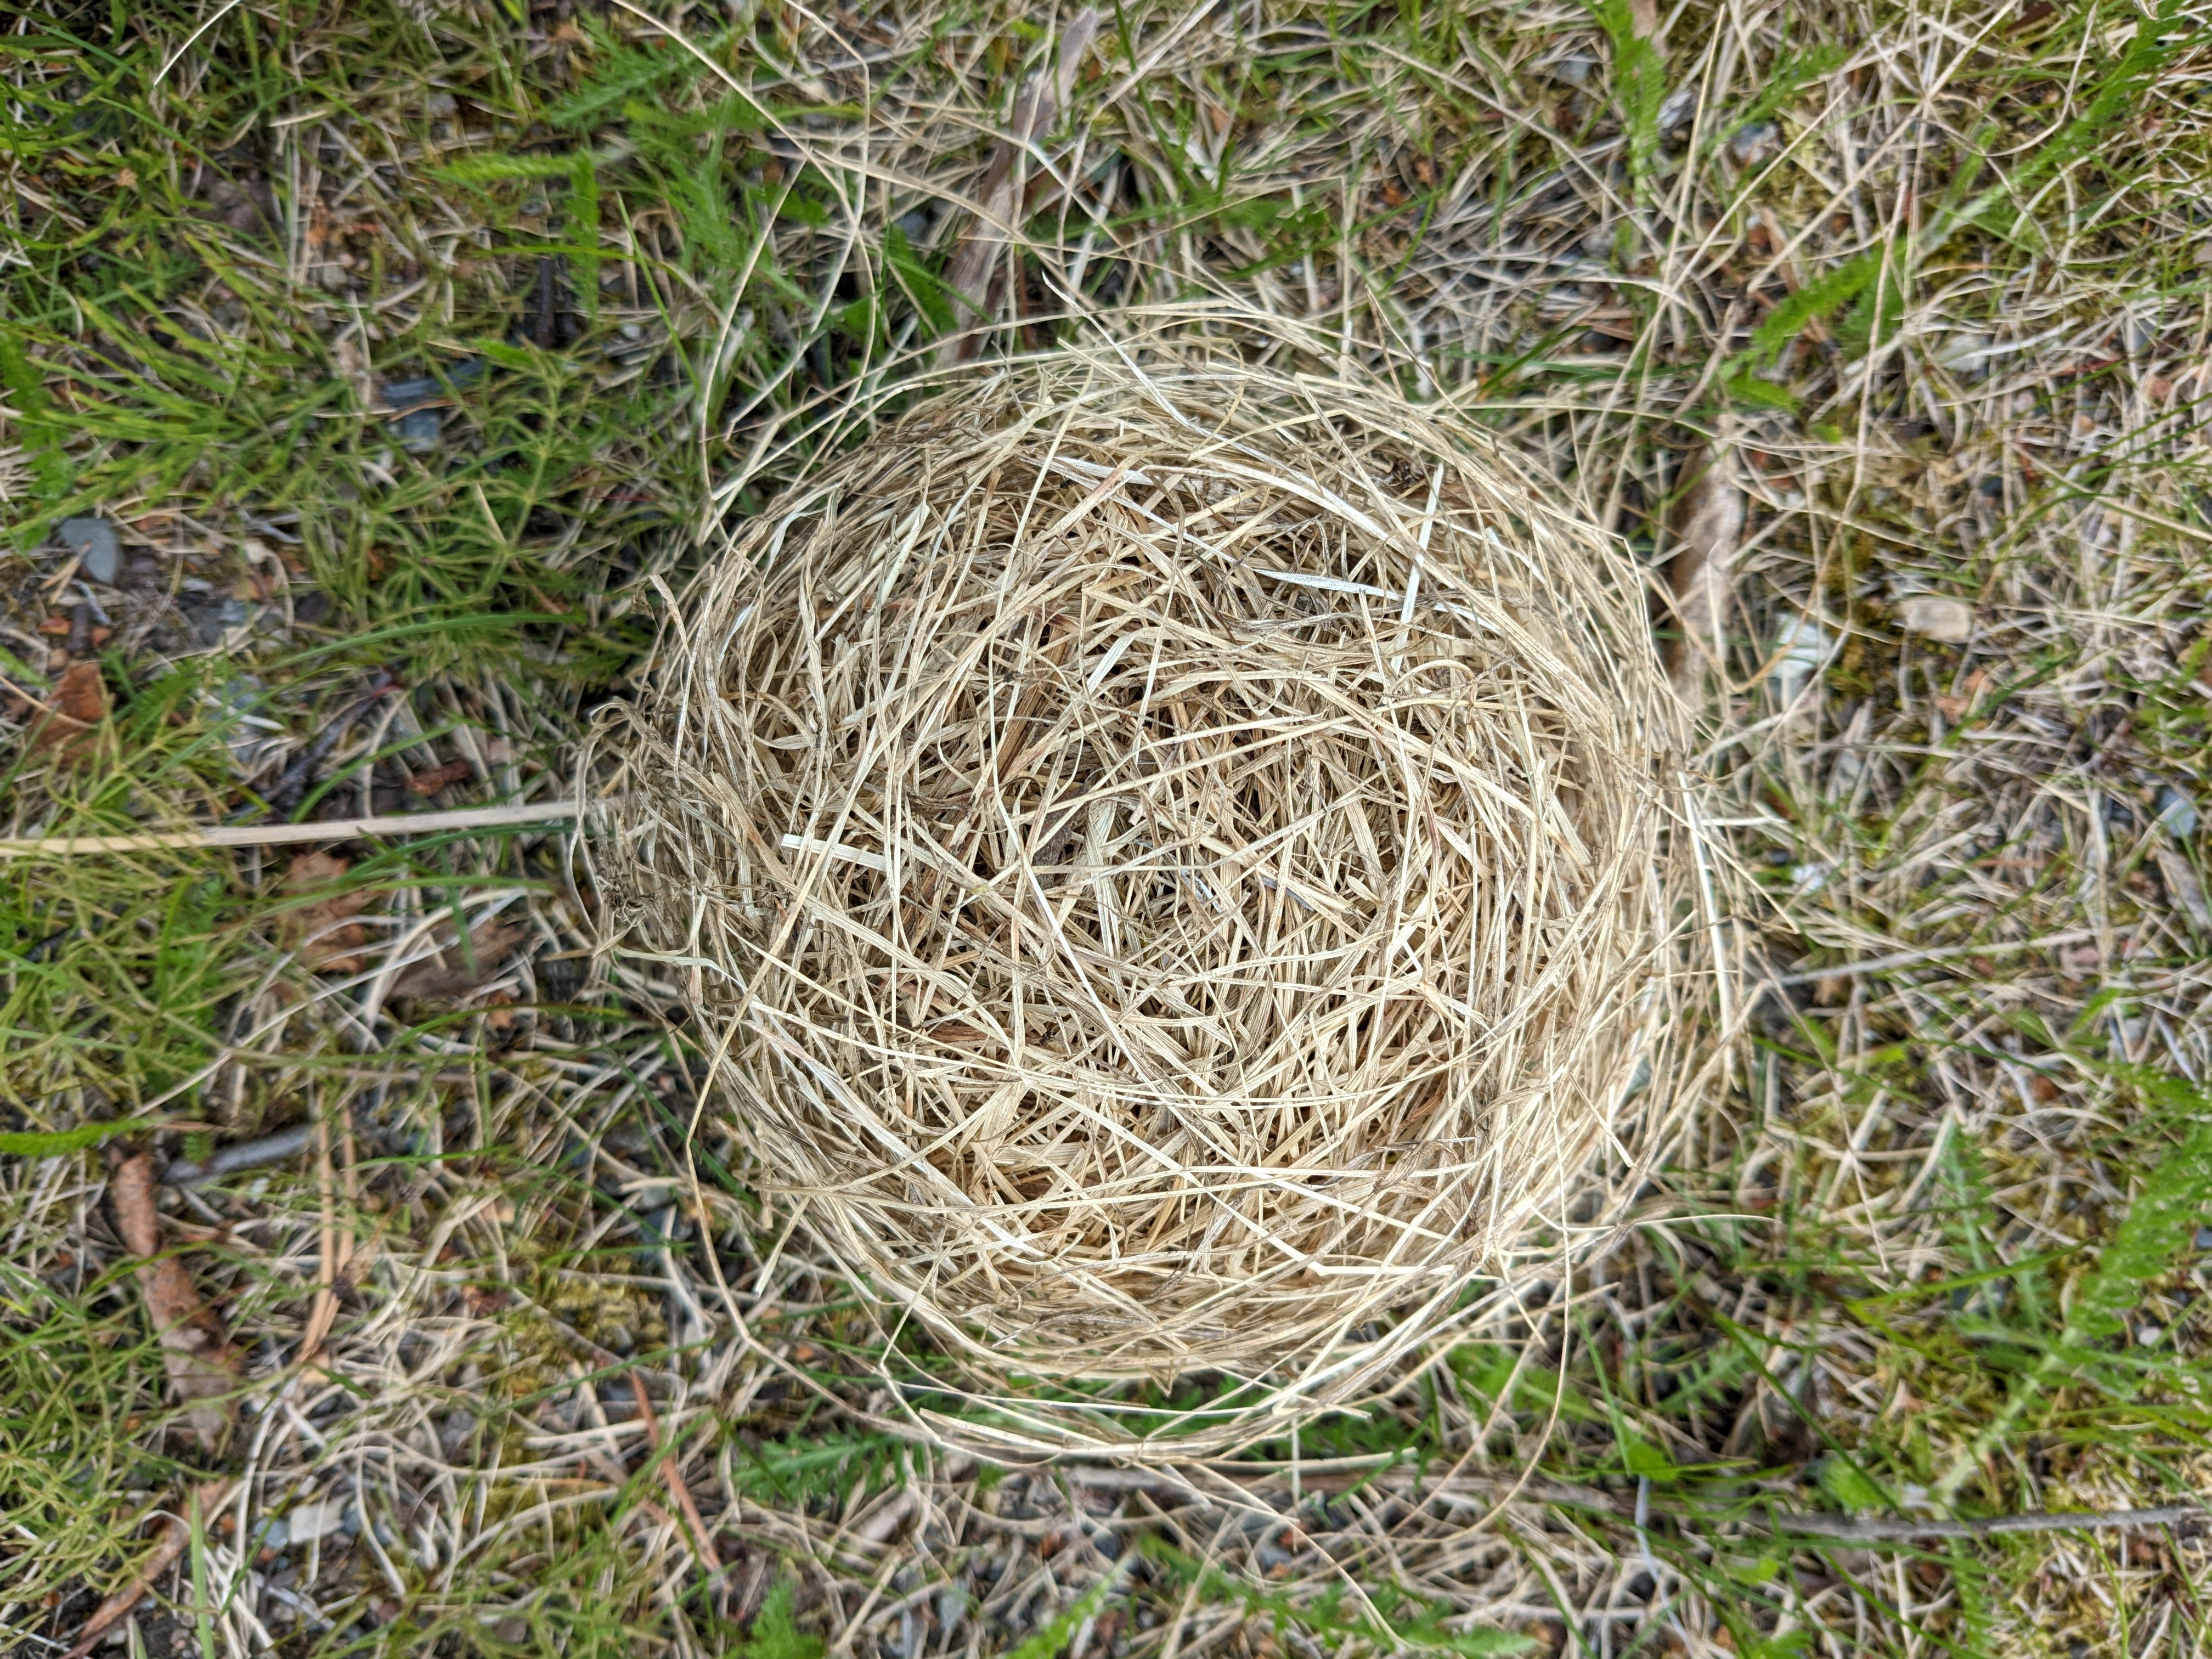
x=1177, y=866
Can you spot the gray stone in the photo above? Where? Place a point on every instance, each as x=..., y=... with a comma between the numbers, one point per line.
x=1753, y=139
x=93, y=540
x=2177, y=813
x=210, y=621
x=316, y=1519
x=417, y=430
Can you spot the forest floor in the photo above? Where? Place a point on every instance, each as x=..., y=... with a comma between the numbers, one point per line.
x=368, y=369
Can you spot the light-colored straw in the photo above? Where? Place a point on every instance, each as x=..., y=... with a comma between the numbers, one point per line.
x=278, y=834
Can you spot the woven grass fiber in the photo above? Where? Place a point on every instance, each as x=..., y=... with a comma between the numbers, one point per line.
x=1176, y=867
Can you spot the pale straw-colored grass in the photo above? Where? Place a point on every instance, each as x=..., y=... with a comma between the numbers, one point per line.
x=1177, y=865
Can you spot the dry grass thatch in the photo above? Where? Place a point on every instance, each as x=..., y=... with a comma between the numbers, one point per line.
x=1174, y=861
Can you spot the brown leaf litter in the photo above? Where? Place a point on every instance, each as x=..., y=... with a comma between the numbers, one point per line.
x=441, y=777
x=73, y=715
x=451, y=972
x=1709, y=525
x=195, y=1347
x=324, y=931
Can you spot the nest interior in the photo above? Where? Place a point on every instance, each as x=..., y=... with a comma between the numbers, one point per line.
x=1172, y=864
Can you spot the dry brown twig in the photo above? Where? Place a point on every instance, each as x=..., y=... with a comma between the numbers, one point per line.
x=702, y=1538
x=1273, y=1493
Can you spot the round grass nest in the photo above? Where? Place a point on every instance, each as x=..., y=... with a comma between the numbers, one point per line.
x=1177, y=867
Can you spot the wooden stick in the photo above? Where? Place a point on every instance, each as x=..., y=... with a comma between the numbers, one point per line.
x=702, y=1539
x=276, y=834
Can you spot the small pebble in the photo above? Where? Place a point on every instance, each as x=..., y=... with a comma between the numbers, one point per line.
x=418, y=429
x=93, y=540
x=1751, y=141
x=406, y=394
x=317, y=1518
x=952, y=1603
x=1801, y=648
x=2177, y=813
x=1951, y=621
x=211, y=621
x=1966, y=354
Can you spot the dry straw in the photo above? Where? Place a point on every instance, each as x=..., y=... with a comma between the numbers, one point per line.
x=1178, y=866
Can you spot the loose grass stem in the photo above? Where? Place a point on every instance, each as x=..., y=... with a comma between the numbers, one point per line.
x=279, y=834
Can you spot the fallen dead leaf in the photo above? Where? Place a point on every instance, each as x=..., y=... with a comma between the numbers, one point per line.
x=448, y=973
x=1709, y=525
x=441, y=777
x=195, y=1348
x=73, y=714
x=324, y=933
x=1933, y=616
